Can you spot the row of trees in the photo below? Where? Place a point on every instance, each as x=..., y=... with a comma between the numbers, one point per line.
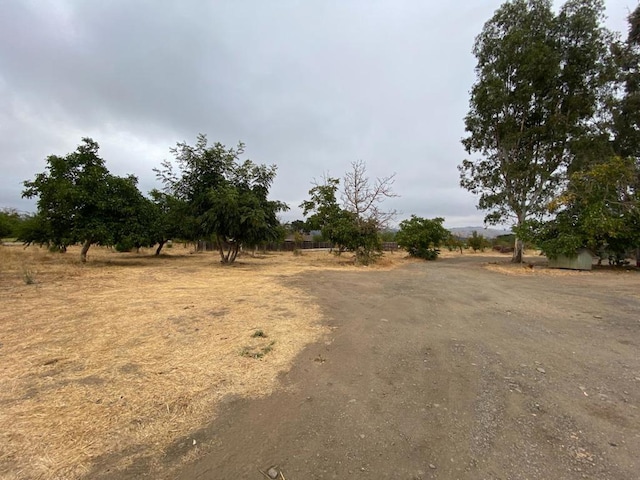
x=209, y=194
x=555, y=121
x=350, y=216
x=10, y=222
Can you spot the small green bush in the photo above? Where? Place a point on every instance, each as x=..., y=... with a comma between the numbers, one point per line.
x=124, y=246
x=421, y=237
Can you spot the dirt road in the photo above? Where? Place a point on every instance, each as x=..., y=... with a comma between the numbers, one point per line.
x=448, y=370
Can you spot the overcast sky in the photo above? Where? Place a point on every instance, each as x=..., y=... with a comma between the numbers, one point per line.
x=310, y=86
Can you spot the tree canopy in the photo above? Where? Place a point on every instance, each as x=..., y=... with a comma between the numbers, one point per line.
x=225, y=198
x=355, y=223
x=421, y=237
x=80, y=201
x=541, y=79
x=600, y=210
x=599, y=205
x=10, y=222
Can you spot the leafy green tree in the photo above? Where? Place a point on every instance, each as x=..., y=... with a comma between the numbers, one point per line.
x=626, y=107
x=10, y=221
x=600, y=210
x=35, y=229
x=134, y=215
x=299, y=226
x=477, y=242
x=170, y=219
x=324, y=213
x=454, y=242
x=541, y=78
x=80, y=201
x=322, y=210
x=227, y=199
x=504, y=241
x=421, y=237
x=359, y=236
x=353, y=224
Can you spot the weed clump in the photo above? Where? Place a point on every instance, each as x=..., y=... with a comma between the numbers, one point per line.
x=251, y=352
x=28, y=276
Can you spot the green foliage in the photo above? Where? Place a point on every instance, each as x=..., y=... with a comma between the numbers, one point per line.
x=361, y=237
x=454, y=242
x=125, y=245
x=324, y=208
x=478, y=242
x=297, y=229
x=541, y=79
x=507, y=240
x=258, y=353
x=421, y=237
x=35, y=229
x=341, y=227
x=299, y=226
x=80, y=201
x=169, y=219
x=10, y=221
x=626, y=107
x=355, y=225
x=600, y=210
x=388, y=235
x=133, y=216
x=223, y=197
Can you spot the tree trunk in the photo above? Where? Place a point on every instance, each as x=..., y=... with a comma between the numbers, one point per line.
x=518, y=246
x=223, y=259
x=160, y=245
x=85, y=249
x=517, y=251
x=233, y=250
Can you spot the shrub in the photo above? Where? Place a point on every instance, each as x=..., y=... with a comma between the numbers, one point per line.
x=421, y=237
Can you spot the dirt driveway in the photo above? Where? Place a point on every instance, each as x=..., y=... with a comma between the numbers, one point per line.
x=448, y=370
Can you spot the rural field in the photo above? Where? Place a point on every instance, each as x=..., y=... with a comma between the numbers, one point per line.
x=115, y=360
x=176, y=367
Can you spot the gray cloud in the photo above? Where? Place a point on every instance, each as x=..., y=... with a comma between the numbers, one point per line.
x=309, y=86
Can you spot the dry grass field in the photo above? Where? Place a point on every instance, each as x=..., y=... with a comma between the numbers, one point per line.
x=128, y=353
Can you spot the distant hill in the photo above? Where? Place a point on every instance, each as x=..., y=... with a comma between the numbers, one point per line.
x=466, y=232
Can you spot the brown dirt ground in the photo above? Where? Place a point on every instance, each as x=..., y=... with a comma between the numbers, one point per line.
x=464, y=368
x=112, y=361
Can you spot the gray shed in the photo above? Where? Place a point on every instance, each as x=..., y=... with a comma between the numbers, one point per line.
x=583, y=260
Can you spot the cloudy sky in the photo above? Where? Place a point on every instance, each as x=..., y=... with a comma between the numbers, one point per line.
x=310, y=86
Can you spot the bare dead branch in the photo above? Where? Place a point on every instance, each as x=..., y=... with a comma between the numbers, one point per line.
x=363, y=197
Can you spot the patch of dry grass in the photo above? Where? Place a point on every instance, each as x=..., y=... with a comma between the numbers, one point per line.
x=532, y=265
x=128, y=352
